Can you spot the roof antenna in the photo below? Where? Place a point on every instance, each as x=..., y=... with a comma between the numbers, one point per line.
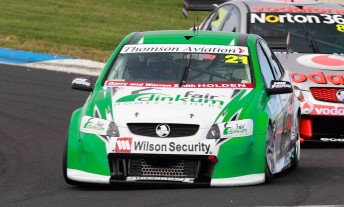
x=194, y=28
x=195, y=16
x=288, y=45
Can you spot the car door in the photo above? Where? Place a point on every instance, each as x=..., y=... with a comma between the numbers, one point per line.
x=274, y=106
x=286, y=99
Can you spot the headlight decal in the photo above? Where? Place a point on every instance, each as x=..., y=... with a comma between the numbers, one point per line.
x=240, y=128
x=103, y=111
x=93, y=125
x=227, y=130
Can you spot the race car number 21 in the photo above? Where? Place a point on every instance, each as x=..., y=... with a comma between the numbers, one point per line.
x=236, y=59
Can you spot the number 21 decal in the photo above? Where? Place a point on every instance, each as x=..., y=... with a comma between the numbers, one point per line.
x=236, y=59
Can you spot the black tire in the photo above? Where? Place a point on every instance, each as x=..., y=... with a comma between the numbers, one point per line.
x=268, y=159
x=295, y=160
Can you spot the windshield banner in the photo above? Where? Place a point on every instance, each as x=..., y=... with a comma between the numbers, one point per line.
x=119, y=83
x=175, y=48
x=296, y=18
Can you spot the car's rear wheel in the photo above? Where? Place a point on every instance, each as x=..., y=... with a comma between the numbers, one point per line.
x=269, y=156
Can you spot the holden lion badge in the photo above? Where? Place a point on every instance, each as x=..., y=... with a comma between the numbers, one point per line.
x=162, y=130
x=340, y=95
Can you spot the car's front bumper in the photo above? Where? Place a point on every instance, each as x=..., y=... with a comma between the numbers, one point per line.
x=239, y=161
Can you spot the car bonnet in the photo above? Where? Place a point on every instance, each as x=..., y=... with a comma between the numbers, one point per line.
x=314, y=70
x=202, y=106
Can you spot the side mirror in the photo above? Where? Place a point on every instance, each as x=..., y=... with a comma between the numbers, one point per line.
x=83, y=83
x=279, y=87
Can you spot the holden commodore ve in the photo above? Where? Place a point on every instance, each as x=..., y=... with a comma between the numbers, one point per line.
x=185, y=108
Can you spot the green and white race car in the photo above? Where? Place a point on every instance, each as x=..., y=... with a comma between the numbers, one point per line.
x=185, y=108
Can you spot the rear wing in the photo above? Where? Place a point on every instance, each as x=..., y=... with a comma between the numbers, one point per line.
x=200, y=5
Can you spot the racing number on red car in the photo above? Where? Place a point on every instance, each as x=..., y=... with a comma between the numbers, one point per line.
x=340, y=27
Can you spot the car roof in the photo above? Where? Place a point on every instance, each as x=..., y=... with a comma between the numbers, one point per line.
x=314, y=5
x=191, y=37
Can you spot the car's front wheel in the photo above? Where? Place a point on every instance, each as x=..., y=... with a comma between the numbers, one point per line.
x=269, y=156
x=296, y=136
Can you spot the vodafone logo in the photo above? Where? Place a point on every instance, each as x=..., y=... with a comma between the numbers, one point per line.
x=326, y=62
x=123, y=145
x=321, y=110
x=289, y=1
x=307, y=107
x=318, y=77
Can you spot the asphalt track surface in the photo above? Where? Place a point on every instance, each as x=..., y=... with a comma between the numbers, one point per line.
x=34, y=115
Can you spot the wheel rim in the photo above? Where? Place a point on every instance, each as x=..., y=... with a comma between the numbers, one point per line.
x=296, y=135
x=269, y=152
x=295, y=131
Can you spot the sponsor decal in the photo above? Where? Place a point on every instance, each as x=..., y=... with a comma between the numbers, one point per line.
x=307, y=107
x=81, y=81
x=94, y=125
x=184, y=48
x=189, y=96
x=340, y=95
x=321, y=110
x=239, y=128
x=281, y=84
x=123, y=145
x=332, y=139
x=218, y=85
x=170, y=147
x=195, y=104
x=160, y=146
x=326, y=62
x=296, y=18
x=162, y=130
x=186, y=180
x=329, y=111
x=116, y=83
x=318, y=77
x=289, y=9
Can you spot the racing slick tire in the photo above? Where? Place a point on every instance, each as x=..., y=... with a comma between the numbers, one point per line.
x=269, y=160
x=296, y=133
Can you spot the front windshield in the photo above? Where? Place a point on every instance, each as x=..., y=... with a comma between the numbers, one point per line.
x=180, y=64
x=309, y=33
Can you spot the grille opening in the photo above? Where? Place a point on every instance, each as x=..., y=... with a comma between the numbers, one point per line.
x=326, y=127
x=161, y=167
x=118, y=169
x=325, y=94
x=176, y=130
x=334, y=127
x=158, y=163
x=155, y=168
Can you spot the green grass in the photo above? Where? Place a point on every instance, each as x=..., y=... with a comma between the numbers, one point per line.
x=85, y=28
